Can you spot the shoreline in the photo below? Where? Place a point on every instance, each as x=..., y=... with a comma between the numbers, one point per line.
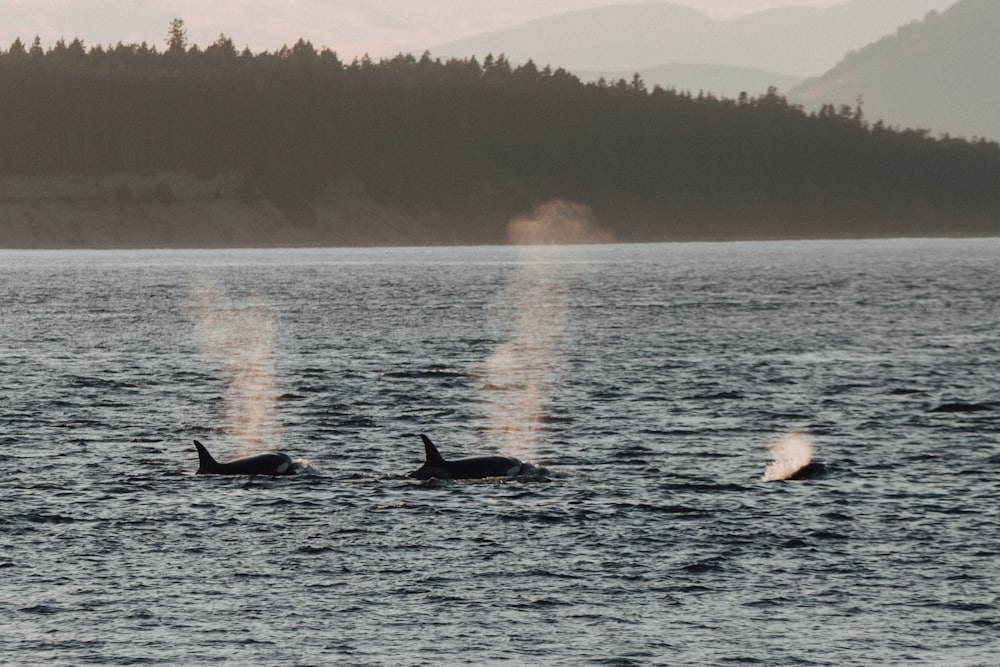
x=162, y=210
x=181, y=210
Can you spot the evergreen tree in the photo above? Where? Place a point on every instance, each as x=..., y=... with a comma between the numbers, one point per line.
x=177, y=41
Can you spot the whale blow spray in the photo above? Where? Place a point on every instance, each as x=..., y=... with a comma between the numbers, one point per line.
x=790, y=453
x=238, y=337
x=522, y=370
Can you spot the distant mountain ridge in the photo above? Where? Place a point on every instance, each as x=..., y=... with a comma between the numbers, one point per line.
x=795, y=41
x=938, y=74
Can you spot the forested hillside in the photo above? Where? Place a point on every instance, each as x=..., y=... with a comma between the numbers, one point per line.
x=462, y=146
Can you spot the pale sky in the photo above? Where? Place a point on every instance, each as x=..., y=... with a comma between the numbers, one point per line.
x=350, y=27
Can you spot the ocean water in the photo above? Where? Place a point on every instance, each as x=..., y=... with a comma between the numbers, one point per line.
x=647, y=380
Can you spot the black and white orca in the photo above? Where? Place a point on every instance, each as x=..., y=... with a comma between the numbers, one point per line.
x=478, y=467
x=261, y=464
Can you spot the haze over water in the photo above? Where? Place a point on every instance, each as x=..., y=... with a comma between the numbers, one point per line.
x=662, y=374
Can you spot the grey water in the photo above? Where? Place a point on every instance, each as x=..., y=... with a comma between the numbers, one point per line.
x=647, y=380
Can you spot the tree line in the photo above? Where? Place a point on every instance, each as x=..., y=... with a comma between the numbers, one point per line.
x=478, y=142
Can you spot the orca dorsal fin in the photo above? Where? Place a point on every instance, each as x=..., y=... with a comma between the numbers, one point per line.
x=205, y=461
x=431, y=453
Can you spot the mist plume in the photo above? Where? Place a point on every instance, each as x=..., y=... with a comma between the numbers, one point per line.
x=238, y=337
x=523, y=369
x=789, y=452
x=557, y=223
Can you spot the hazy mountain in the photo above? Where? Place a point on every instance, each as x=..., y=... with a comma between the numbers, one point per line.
x=794, y=41
x=938, y=74
x=720, y=80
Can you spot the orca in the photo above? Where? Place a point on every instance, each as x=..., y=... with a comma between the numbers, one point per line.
x=478, y=467
x=808, y=471
x=262, y=464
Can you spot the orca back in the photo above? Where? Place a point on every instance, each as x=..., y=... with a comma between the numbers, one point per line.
x=811, y=470
x=262, y=464
x=477, y=467
x=480, y=467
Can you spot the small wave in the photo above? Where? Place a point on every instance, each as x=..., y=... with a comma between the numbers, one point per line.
x=702, y=487
x=501, y=387
x=680, y=510
x=828, y=535
x=765, y=603
x=719, y=396
x=676, y=510
x=305, y=467
x=38, y=517
x=356, y=421
x=963, y=407
x=619, y=662
x=704, y=566
x=529, y=478
x=795, y=543
x=438, y=373
x=391, y=506
x=309, y=549
x=669, y=432
x=542, y=603
x=41, y=609
x=85, y=382
x=542, y=573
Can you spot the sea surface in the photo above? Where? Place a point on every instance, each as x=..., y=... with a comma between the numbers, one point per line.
x=648, y=382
